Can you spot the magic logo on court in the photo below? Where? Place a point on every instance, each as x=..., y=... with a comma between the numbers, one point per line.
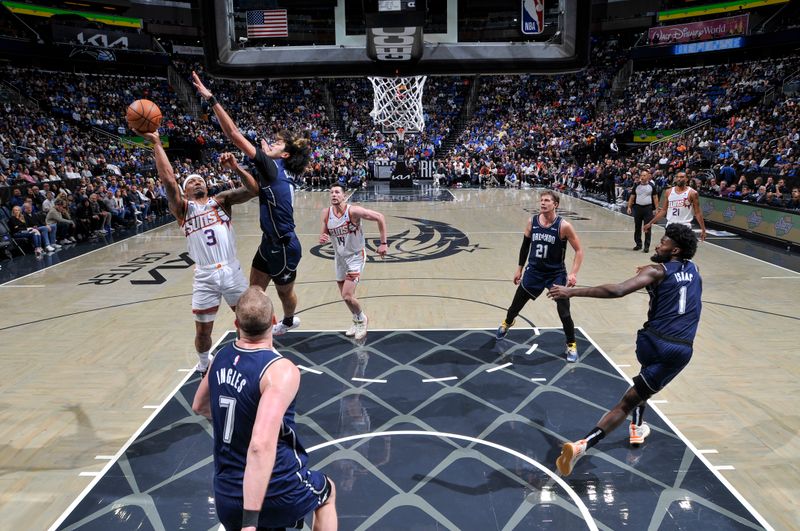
x=424, y=240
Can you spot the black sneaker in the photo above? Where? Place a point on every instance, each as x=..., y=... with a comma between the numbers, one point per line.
x=646, y=250
x=637, y=248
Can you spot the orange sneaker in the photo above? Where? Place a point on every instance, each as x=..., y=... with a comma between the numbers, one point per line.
x=638, y=434
x=570, y=453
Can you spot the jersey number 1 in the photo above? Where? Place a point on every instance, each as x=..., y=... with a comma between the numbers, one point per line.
x=681, y=300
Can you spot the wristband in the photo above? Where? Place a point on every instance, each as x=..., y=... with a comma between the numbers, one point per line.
x=212, y=101
x=249, y=518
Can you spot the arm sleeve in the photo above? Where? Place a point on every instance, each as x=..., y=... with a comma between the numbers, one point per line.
x=266, y=168
x=524, y=249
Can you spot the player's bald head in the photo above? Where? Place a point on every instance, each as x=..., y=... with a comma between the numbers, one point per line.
x=254, y=313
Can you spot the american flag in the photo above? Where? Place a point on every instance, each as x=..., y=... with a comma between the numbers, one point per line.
x=267, y=23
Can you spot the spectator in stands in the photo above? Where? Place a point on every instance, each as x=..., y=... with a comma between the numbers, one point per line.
x=65, y=227
x=35, y=220
x=794, y=201
x=19, y=228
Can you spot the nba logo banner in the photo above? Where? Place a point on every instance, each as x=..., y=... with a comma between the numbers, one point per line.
x=532, y=17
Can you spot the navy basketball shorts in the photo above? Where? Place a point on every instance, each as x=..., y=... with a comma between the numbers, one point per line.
x=279, y=258
x=661, y=360
x=535, y=282
x=288, y=509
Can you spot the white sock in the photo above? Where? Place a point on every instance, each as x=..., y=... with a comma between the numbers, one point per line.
x=359, y=316
x=203, y=357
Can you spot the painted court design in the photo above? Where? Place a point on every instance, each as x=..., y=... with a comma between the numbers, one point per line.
x=436, y=429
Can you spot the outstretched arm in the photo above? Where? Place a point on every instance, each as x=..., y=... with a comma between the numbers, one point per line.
x=228, y=160
x=167, y=174
x=646, y=275
x=225, y=121
x=365, y=213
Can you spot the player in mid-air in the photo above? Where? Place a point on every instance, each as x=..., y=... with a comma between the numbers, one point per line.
x=275, y=164
x=341, y=225
x=663, y=345
x=544, y=247
x=206, y=223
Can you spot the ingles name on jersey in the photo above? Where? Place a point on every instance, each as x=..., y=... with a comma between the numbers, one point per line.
x=205, y=219
x=232, y=377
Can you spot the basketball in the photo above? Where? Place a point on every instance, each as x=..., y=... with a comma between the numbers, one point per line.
x=144, y=116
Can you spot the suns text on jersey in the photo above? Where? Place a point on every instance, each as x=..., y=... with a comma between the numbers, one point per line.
x=202, y=220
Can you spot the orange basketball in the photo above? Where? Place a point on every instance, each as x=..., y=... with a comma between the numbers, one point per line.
x=144, y=116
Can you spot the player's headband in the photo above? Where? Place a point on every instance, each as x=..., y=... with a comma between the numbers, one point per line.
x=189, y=178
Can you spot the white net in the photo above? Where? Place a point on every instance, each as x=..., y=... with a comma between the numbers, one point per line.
x=397, y=102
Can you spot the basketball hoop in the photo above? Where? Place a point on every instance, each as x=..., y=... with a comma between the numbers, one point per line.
x=397, y=102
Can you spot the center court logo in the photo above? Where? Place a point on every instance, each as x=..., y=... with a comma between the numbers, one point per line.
x=425, y=240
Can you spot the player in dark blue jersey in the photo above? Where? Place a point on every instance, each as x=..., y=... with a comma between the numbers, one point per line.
x=275, y=165
x=544, y=247
x=261, y=478
x=663, y=345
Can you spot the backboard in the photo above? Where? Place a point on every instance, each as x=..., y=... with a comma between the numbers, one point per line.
x=329, y=38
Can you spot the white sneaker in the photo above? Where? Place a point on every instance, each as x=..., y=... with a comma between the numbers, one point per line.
x=570, y=453
x=202, y=365
x=353, y=329
x=638, y=434
x=280, y=328
x=57, y=246
x=361, y=329
x=49, y=248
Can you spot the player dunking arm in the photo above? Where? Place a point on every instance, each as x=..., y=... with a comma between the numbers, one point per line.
x=275, y=164
x=206, y=223
x=261, y=474
x=681, y=203
x=341, y=225
x=663, y=345
x=544, y=247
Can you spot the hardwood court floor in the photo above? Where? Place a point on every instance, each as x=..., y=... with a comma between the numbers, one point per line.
x=84, y=352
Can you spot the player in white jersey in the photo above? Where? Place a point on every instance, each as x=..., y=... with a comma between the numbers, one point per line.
x=206, y=223
x=341, y=225
x=681, y=203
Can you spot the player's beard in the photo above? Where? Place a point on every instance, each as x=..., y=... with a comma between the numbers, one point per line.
x=660, y=259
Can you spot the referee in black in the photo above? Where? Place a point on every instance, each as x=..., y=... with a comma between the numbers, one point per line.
x=641, y=205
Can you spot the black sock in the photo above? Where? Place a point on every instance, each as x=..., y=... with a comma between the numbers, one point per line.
x=288, y=320
x=594, y=437
x=638, y=414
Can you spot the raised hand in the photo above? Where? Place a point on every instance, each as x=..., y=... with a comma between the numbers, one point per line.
x=204, y=92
